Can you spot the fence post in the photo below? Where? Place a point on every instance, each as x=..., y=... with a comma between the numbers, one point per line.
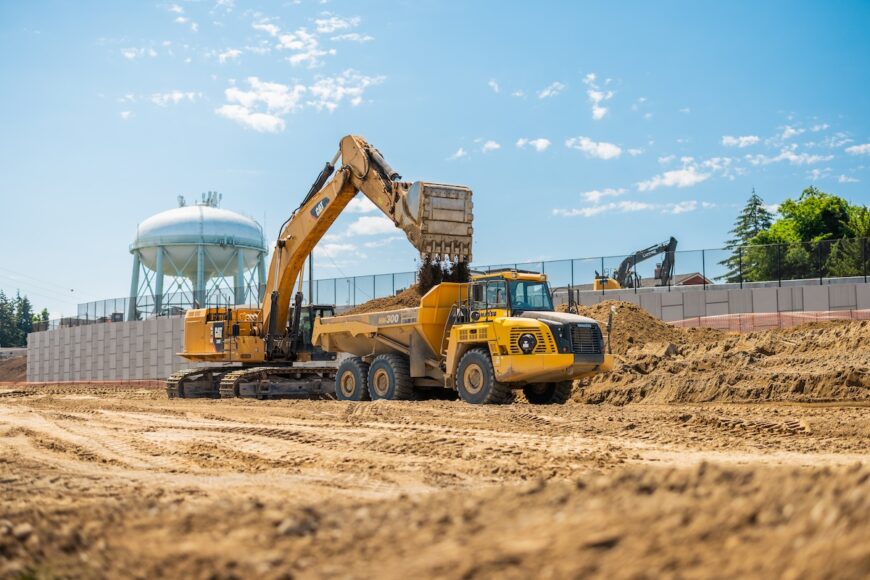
x=394, y=283
x=602, y=274
x=354, y=290
x=740, y=264
x=374, y=287
x=819, y=260
x=636, y=277
x=704, y=267
x=864, y=257
x=572, y=272
x=779, y=265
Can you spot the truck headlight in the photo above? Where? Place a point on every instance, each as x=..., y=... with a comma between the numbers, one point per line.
x=527, y=343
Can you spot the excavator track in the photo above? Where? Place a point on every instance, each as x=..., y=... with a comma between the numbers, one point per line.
x=196, y=383
x=279, y=382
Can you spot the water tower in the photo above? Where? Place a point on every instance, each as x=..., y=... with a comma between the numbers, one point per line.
x=195, y=256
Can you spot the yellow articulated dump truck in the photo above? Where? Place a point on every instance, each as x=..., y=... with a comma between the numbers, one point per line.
x=484, y=339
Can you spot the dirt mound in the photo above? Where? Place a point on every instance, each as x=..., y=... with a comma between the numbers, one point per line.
x=635, y=327
x=408, y=298
x=818, y=362
x=13, y=369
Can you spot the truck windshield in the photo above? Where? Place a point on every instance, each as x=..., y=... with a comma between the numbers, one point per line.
x=530, y=295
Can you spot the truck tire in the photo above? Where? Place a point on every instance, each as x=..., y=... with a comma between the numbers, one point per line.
x=351, y=380
x=475, y=380
x=390, y=378
x=548, y=393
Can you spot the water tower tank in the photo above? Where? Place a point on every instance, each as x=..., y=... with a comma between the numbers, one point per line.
x=194, y=256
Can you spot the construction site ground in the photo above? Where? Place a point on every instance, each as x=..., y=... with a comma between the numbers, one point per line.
x=701, y=455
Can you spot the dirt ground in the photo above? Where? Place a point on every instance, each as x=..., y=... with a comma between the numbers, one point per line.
x=108, y=481
x=13, y=369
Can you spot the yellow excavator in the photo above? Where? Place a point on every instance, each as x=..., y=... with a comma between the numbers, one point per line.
x=257, y=351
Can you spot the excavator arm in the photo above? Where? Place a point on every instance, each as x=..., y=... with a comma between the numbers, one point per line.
x=436, y=219
x=627, y=267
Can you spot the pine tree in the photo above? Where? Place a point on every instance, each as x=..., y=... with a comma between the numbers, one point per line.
x=23, y=319
x=7, y=321
x=754, y=219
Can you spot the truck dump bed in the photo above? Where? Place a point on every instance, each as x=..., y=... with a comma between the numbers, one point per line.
x=421, y=330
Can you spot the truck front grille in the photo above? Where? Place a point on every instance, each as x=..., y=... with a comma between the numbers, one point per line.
x=586, y=339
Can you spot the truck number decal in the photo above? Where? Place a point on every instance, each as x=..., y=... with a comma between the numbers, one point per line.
x=389, y=319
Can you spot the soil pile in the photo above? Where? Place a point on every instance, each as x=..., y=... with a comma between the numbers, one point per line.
x=13, y=369
x=635, y=327
x=817, y=362
x=408, y=298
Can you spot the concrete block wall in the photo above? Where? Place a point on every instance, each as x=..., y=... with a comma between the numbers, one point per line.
x=117, y=351
x=683, y=302
x=142, y=350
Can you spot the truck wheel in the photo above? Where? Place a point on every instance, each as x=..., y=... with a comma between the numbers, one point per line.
x=351, y=381
x=390, y=378
x=475, y=380
x=548, y=393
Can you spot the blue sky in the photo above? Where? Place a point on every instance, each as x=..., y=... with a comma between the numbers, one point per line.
x=584, y=128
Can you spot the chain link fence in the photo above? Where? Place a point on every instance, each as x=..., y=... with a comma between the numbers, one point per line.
x=822, y=262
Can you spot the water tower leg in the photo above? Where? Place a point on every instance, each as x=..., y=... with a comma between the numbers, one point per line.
x=158, y=284
x=261, y=279
x=199, y=297
x=240, y=276
x=134, y=288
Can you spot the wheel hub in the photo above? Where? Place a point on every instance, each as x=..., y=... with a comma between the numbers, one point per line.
x=381, y=382
x=472, y=378
x=347, y=384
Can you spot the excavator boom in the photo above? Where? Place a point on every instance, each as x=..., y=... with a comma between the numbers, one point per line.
x=436, y=219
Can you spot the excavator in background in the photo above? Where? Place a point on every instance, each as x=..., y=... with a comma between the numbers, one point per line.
x=626, y=276
x=257, y=351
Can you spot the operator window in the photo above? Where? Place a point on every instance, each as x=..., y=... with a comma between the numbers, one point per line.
x=530, y=295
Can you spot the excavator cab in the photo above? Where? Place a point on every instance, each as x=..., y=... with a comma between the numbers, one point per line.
x=304, y=349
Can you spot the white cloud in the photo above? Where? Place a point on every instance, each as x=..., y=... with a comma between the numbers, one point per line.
x=686, y=177
x=667, y=159
x=264, y=105
x=460, y=153
x=268, y=28
x=329, y=92
x=518, y=93
x=229, y=54
x=134, y=53
x=493, y=84
x=744, y=141
x=597, y=97
x=353, y=37
x=175, y=8
x=685, y=110
x=540, y=144
x=846, y=179
x=788, y=132
x=194, y=27
x=125, y=115
x=173, y=98
x=789, y=154
x=819, y=127
x=262, y=122
x=333, y=250
x=599, y=150
x=181, y=20
x=634, y=151
x=681, y=207
x=490, y=146
x=596, y=195
x=361, y=204
x=817, y=173
x=629, y=206
x=551, y=91
x=370, y=226
x=381, y=242
x=863, y=149
x=335, y=23
x=305, y=47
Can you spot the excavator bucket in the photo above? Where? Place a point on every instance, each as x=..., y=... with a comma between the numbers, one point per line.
x=437, y=219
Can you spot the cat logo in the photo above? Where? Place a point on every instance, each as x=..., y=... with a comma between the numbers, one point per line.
x=318, y=209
